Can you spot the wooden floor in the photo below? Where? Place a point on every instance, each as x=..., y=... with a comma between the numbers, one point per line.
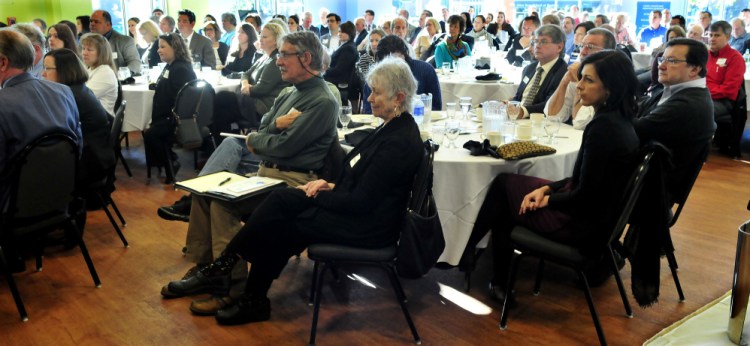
x=66, y=309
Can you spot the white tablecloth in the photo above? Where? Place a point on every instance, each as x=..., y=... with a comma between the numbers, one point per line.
x=141, y=100
x=461, y=182
x=454, y=86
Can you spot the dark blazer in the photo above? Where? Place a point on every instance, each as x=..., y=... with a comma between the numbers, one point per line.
x=342, y=65
x=171, y=80
x=367, y=205
x=323, y=30
x=513, y=46
x=152, y=54
x=315, y=30
x=493, y=29
x=360, y=37
x=684, y=124
x=604, y=163
x=469, y=40
x=98, y=156
x=549, y=84
x=241, y=64
x=223, y=51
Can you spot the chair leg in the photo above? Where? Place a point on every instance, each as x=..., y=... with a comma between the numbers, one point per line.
x=13, y=288
x=620, y=286
x=124, y=164
x=316, y=304
x=314, y=284
x=538, y=280
x=509, y=288
x=592, y=308
x=673, y=267
x=38, y=253
x=85, y=253
x=117, y=212
x=401, y=297
x=111, y=219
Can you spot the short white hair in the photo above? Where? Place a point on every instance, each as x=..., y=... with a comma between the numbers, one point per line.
x=393, y=75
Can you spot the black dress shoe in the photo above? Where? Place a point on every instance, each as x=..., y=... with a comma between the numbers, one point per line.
x=246, y=310
x=200, y=283
x=179, y=211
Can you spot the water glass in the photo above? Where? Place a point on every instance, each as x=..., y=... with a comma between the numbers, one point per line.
x=144, y=69
x=452, y=130
x=123, y=73
x=551, y=127
x=345, y=117
x=513, y=110
x=446, y=68
x=450, y=110
x=438, y=132
x=465, y=103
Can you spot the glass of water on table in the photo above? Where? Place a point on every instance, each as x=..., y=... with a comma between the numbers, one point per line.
x=345, y=117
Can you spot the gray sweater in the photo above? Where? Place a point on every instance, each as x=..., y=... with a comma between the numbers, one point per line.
x=305, y=143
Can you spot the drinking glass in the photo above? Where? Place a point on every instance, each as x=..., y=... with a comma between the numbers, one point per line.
x=345, y=117
x=144, y=69
x=513, y=110
x=450, y=110
x=452, y=130
x=123, y=73
x=551, y=126
x=465, y=103
x=446, y=68
x=438, y=132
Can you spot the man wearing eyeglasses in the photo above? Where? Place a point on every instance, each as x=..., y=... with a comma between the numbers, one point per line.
x=725, y=72
x=565, y=102
x=292, y=143
x=331, y=39
x=680, y=116
x=540, y=79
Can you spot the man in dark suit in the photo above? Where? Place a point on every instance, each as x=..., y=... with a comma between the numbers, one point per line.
x=541, y=78
x=680, y=116
x=323, y=28
x=307, y=24
x=123, y=46
x=518, y=47
x=370, y=20
x=359, y=26
x=200, y=46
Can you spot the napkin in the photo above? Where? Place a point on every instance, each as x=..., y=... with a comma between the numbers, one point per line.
x=481, y=149
x=489, y=76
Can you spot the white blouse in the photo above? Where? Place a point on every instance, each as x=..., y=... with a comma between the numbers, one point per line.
x=103, y=82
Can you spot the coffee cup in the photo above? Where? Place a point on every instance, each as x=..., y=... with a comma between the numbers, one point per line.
x=495, y=138
x=523, y=132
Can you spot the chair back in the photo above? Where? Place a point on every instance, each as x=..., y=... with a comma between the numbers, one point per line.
x=692, y=176
x=422, y=186
x=42, y=178
x=119, y=99
x=116, y=129
x=632, y=192
x=195, y=99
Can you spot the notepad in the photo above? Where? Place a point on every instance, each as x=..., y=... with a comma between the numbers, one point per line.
x=229, y=186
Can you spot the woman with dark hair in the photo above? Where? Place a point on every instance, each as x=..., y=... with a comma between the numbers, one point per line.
x=213, y=32
x=245, y=53
x=453, y=47
x=132, y=23
x=367, y=58
x=261, y=83
x=343, y=60
x=293, y=23
x=578, y=34
x=65, y=67
x=467, y=20
x=159, y=137
x=579, y=209
x=501, y=25
x=59, y=36
x=82, y=25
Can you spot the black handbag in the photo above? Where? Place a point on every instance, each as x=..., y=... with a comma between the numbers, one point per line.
x=422, y=240
x=187, y=132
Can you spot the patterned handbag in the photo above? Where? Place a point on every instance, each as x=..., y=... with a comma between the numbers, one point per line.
x=522, y=150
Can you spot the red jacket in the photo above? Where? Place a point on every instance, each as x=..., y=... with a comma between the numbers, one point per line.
x=724, y=80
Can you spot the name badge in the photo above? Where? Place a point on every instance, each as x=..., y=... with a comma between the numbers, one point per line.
x=354, y=160
x=165, y=74
x=526, y=79
x=114, y=55
x=721, y=62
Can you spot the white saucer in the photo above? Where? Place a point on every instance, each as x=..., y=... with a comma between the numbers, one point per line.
x=532, y=139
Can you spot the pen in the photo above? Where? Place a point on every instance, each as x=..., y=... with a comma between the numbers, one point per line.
x=225, y=181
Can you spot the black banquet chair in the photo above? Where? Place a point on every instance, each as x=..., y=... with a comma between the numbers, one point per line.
x=42, y=186
x=331, y=255
x=530, y=243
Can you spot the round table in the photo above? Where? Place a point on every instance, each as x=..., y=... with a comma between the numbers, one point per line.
x=141, y=100
x=453, y=86
x=461, y=181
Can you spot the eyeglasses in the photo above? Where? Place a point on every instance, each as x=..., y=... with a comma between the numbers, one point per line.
x=284, y=55
x=670, y=60
x=590, y=47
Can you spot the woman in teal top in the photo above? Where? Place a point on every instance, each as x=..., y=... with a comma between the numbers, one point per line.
x=454, y=47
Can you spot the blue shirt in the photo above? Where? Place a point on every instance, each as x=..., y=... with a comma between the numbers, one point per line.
x=648, y=33
x=427, y=82
x=739, y=42
x=569, y=38
x=228, y=37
